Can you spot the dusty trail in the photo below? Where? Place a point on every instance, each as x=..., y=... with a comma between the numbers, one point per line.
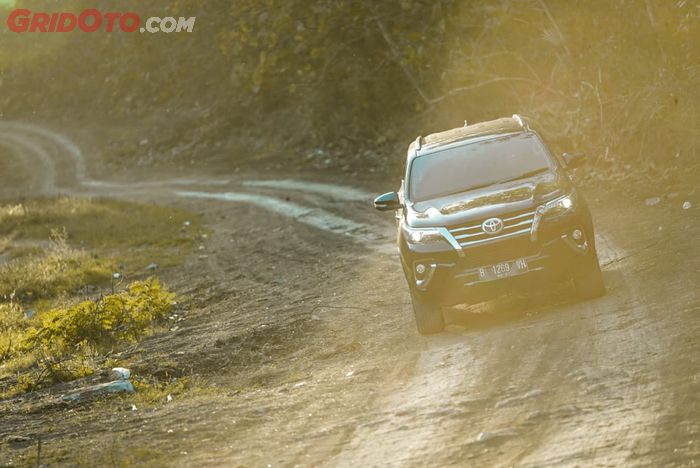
x=31, y=143
x=26, y=152
x=537, y=381
x=533, y=394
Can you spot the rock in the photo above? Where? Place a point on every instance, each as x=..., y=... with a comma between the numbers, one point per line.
x=533, y=393
x=535, y=415
x=143, y=142
x=517, y=400
x=652, y=201
x=687, y=205
x=568, y=410
x=120, y=373
x=117, y=386
x=18, y=439
x=494, y=436
x=152, y=267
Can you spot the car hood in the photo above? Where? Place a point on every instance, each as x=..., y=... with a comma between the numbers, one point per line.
x=494, y=200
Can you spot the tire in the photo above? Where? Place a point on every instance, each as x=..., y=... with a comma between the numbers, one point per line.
x=429, y=318
x=588, y=278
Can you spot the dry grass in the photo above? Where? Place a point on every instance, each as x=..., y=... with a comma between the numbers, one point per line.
x=58, y=270
x=134, y=234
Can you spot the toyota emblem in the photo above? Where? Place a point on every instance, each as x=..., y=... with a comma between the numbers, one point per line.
x=492, y=226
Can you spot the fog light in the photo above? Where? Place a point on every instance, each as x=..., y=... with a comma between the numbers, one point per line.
x=577, y=234
x=424, y=274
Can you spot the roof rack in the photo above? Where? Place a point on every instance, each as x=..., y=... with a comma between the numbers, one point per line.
x=521, y=122
x=419, y=143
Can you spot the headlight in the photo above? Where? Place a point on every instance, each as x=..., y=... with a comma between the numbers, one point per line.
x=422, y=236
x=559, y=207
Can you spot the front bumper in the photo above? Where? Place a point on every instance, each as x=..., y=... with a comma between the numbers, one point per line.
x=450, y=278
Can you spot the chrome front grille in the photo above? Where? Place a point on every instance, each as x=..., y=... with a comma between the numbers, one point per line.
x=514, y=224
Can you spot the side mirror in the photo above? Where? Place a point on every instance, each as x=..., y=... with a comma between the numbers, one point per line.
x=573, y=160
x=387, y=202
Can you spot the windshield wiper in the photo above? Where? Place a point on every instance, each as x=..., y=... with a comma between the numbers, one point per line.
x=521, y=176
x=524, y=175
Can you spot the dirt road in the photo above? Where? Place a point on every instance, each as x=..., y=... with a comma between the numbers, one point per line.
x=304, y=327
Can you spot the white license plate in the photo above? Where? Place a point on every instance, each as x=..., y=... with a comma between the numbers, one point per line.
x=503, y=270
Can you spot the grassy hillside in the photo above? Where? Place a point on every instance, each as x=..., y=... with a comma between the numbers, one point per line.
x=309, y=82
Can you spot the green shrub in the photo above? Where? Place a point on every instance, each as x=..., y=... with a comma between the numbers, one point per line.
x=113, y=319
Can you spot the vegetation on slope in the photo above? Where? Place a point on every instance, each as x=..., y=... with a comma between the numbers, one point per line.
x=308, y=81
x=64, y=303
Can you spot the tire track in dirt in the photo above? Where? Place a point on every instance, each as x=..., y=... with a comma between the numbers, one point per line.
x=612, y=418
x=502, y=391
x=65, y=163
x=33, y=142
x=31, y=132
x=338, y=192
x=103, y=184
x=414, y=413
x=316, y=217
x=39, y=164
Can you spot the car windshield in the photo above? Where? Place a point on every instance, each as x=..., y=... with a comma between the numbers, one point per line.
x=476, y=165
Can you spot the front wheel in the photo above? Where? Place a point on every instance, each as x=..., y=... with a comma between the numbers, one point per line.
x=588, y=278
x=429, y=318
